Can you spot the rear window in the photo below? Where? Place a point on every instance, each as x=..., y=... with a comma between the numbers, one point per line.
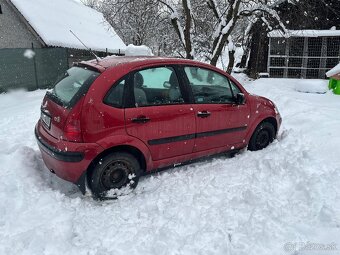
x=74, y=83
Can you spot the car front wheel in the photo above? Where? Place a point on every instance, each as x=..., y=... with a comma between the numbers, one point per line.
x=263, y=135
x=115, y=174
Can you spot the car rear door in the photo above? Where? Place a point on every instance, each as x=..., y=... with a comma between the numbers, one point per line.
x=159, y=114
x=220, y=122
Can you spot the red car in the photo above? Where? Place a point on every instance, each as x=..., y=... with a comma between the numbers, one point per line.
x=107, y=122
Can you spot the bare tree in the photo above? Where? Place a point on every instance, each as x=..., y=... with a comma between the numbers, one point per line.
x=138, y=22
x=219, y=20
x=198, y=29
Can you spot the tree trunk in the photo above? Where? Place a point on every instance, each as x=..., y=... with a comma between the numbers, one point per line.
x=187, y=30
x=244, y=58
x=231, y=61
x=218, y=49
x=222, y=38
x=184, y=34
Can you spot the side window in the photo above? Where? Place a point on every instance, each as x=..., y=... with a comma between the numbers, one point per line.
x=115, y=95
x=156, y=86
x=209, y=87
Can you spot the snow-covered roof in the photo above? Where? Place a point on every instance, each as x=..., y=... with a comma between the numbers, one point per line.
x=53, y=20
x=304, y=33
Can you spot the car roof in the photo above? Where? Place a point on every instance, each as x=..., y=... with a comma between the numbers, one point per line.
x=135, y=61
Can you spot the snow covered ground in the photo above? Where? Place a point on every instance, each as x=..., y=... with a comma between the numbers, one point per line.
x=268, y=202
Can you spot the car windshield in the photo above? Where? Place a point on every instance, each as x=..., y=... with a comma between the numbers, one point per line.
x=75, y=79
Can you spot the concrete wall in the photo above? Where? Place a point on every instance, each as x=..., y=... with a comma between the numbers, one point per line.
x=14, y=32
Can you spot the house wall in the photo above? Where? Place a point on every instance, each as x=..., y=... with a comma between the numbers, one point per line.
x=14, y=32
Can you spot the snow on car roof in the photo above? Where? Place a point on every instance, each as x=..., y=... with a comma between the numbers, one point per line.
x=54, y=19
x=304, y=33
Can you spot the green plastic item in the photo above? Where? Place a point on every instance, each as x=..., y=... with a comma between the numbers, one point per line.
x=334, y=85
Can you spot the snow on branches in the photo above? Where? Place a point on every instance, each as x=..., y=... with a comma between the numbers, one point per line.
x=215, y=21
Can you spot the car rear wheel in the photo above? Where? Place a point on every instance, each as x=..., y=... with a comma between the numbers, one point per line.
x=263, y=135
x=114, y=175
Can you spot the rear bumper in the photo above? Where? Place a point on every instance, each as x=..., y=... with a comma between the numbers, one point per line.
x=68, y=160
x=66, y=156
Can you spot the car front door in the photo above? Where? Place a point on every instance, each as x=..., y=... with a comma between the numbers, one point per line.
x=159, y=114
x=220, y=121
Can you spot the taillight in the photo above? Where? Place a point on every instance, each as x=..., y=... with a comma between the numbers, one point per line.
x=72, y=128
x=72, y=131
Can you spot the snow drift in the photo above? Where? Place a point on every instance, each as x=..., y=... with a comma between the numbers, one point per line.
x=265, y=202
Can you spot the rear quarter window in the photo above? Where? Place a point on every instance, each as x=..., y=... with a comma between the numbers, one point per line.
x=114, y=97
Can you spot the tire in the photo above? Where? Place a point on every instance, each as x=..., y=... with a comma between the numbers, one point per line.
x=263, y=135
x=114, y=173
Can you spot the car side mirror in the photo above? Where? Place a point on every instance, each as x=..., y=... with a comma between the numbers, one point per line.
x=240, y=98
x=167, y=85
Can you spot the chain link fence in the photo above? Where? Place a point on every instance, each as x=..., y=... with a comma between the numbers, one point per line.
x=303, y=57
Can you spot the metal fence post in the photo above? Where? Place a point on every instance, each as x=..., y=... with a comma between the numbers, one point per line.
x=68, y=58
x=304, y=58
x=35, y=68
x=322, y=70
x=285, y=71
x=269, y=53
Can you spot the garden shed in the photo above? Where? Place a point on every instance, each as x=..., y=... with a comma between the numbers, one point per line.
x=303, y=53
x=37, y=45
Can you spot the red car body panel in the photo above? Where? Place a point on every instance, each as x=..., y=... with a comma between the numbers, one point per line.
x=174, y=134
x=70, y=171
x=54, y=109
x=223, y=116
x=165, y=122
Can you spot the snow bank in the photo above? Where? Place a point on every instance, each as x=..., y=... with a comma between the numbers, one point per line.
x=54, y=19
x=254, y=203
x=311, y=86
x=142, y=50
x=334, y=71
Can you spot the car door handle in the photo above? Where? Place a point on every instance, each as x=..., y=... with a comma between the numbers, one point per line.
x=140, y=119
x=203, y=114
